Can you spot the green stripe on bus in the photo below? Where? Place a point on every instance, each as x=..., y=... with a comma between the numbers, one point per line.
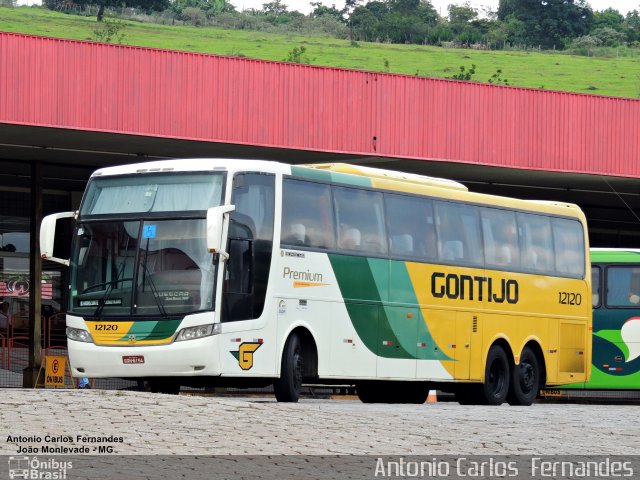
x=386, y=330
x=152, y=330
x=363, y=302
x=415, y=330
x=615, y=256
x=328, y=176
x=615, y=337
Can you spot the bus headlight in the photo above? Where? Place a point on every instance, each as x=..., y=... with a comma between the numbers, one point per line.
x=191, y=333
x=79, y=335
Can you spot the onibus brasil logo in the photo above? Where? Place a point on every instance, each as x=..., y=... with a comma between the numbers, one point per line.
x=33, y=468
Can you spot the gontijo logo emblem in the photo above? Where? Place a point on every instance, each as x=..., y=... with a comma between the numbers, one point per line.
x=245, y=352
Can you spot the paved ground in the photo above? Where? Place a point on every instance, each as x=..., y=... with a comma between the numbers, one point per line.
x=163, y=424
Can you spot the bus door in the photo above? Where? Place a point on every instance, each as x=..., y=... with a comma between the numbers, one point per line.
x=247, y=269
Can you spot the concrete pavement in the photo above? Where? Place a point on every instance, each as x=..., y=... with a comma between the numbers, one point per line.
x=190, y=425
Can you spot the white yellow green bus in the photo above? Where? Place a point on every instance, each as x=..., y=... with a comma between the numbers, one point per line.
x=250, y=273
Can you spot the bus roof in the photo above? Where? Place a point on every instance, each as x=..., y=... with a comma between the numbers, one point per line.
x=615, y=255
x=430, y=186
x=380, y=173
x=350, y=175
x=195, y=165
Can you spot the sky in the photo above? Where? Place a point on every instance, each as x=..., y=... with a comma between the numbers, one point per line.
x=623, y=6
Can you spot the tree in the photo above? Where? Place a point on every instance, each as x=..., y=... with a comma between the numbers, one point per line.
x=548, y=23
x=349, y=7
x=632, y=24
x=404, y=7
x=609, y=37
x=320, y=10
x=146, y=5
x=427, y=13
x=275, y=8
x=365, y=24
x=462, y=13
x=609, y=18
x=377, y=9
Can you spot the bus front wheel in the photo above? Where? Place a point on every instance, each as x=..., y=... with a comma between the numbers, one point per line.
x=496, y=378
x=288, y=387
x=525, y=379
x=167, y=386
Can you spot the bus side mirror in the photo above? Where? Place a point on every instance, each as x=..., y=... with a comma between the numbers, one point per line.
x=48, y=235
x=215, y=223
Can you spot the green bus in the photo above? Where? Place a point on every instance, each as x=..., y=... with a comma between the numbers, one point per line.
x=616, y=320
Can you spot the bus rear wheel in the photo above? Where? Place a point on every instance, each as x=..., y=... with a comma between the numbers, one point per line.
x=525, y=379
x=288, y=387
x=496, y=377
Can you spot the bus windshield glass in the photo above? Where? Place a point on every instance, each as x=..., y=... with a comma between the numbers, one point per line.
x=139, y=248
x=157, y=268
x=152, y=193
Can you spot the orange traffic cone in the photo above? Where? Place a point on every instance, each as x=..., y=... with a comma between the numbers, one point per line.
x=432, y=397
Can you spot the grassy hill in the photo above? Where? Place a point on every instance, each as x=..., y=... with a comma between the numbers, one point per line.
x=617, y=76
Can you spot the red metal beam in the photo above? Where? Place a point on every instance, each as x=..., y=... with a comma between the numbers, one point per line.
x=141, y=91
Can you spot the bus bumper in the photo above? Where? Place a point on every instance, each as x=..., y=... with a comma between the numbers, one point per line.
x=180, y=359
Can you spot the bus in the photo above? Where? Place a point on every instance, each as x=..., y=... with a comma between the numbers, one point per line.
x=256, y=273
x=615, y=277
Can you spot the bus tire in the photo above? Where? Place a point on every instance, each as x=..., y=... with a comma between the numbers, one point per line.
x=467, y=395
x=392, y=392
x=167, y=386
x=369, y=392
x=413, y=392
x=525, y=379
x=288, y=387
x=495, y=388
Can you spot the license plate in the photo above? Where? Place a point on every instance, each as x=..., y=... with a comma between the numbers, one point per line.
x=132, y=359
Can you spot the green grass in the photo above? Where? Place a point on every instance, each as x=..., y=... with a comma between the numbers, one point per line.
x=617, y=76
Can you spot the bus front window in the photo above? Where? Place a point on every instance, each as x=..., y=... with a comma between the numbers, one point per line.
x=153, y=268
x=176, y=271
x=103, y=261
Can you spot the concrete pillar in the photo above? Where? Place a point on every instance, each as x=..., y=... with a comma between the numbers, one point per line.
x=35, y=277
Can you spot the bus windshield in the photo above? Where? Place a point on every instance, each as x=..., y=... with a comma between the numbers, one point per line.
x=158, y=268
x=152, y=193
x=142, y=264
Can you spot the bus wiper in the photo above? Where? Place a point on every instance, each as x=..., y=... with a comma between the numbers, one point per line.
x=152, y=284
x=154, y=290
x=102, y=302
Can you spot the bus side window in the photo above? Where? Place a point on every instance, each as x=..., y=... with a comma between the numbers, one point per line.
x=458, y=229
x=307, y=214
x=536, y=243
x=500, y=238
x=411, y=227
x=568, y=240
x=623, y=287
x=360, y=217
